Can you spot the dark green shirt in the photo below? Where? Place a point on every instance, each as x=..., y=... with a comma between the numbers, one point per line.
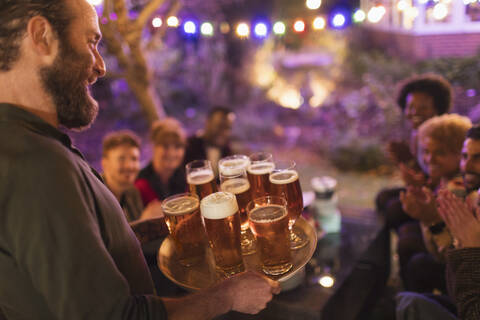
x=66, y=249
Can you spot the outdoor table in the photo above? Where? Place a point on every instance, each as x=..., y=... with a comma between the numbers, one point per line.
x=358, y=258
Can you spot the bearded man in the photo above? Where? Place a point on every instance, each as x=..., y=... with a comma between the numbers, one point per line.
x=66, y=249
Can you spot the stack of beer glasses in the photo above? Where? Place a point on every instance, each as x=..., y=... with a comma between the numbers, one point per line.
x=268, y=217
x=184, y=222
x=261, y=164
x=284, y=183
x=200, y=178
x=221, y=219
x=233, y=179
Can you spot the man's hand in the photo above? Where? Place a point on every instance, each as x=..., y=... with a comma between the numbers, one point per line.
x=399, y=152
x=412, y=177
x=250, y=291
x=419, y=203
x=459, y=216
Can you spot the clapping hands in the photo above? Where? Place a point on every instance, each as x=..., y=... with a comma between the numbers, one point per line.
x=419, y=203
x=461, y=218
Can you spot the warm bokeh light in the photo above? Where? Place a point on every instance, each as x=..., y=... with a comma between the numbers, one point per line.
x=261, y=30
x=243, y=30
x=206, y=29
x=376, y=14
x=157, y=22
x=326, y=281
x=359, y=16
x=402, y=5
x=313, y=4
x=299, y=26
x=338, y=20
x=319, y=23
x=95, y=2
x=224, y=27
x=411, y=12
x=190, y=27
x=279, y=28
x=172, y=21
x=291, y=99
x=440, y=11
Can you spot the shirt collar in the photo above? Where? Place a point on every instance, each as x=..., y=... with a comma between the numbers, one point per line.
x=14, y=114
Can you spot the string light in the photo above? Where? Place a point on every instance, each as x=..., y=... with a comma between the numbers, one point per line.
x=157, y=22
x=359, y=16
x=319, y=23
x=173, y=22
x=313, y=4
x=261, y=30
x=206, y=29
x=224, y=27
x=338, y=20
x=243, y=30
x=299, y=26
x=440, y=11
x=190, y=27
x=402, y=5
x=376, y=14
x=279, y=28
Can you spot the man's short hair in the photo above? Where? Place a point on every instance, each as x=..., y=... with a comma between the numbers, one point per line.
x=219, y=109
x=474, y=132
x=431, y=84
x=168, y=131
x=14, y=17
x=448, y=129
x=119, y=138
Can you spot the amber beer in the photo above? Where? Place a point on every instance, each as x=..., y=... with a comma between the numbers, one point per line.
x=200, y=178
x=222, y=223
x=184, y=222
x=258, y=171
x=285, y=183
x=268, y=219
x=240, y=187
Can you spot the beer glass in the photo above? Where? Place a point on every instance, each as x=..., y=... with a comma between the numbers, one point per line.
x=233, y=179
x=261, y=164
x=184, y=223
x=268, y=218
x=284, y=183
x=200, y=178
x=222, y=223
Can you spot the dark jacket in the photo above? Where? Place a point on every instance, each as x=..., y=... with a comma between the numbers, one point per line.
x=197, y=149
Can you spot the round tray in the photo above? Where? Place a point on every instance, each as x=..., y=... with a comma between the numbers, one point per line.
x=203, y=274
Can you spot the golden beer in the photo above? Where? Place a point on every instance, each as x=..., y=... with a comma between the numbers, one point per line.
x=286, y=184
x=269, y=224
x=200, y=178
x=184, y=223
x=240, y=187
x=258, y=175
x=222, y=223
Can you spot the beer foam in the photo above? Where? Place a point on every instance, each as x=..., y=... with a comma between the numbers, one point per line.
x=268, y=213
x=235, y=186
x=200, y=176
x=284, y=177
x=219, y=205
x=180, y=206
x=232, y=167
x=261, y=168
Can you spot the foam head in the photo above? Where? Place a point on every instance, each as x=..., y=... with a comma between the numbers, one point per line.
x=235, y=186
x=219, y=205
x=284, y=177
x=268, y=213
x=179, y=205
x=200, y=176
x=233, y=165
x=261, y=168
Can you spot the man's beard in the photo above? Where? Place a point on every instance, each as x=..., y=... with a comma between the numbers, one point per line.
x=65, y=80
x=474, y=183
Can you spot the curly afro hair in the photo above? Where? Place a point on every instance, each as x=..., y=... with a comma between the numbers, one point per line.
x=432, y=84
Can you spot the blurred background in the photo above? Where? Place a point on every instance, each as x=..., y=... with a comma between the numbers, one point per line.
x=310, y=80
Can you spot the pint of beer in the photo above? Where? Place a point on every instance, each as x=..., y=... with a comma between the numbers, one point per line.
x=184, y=222
x=284, y=183
x=233, y=179
x=261, y=164
x=200, y=178
x=268, y=219
x=222, y=223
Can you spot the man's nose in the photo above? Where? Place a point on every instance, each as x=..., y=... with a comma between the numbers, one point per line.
x=100, y=67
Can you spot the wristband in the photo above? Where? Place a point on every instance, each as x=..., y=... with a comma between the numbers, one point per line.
x=437, y=228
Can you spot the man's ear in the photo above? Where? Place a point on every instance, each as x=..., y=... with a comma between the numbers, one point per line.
x=43, y=39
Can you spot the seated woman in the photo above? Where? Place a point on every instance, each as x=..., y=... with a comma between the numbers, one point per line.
x=164, y=175
x=440, y=139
